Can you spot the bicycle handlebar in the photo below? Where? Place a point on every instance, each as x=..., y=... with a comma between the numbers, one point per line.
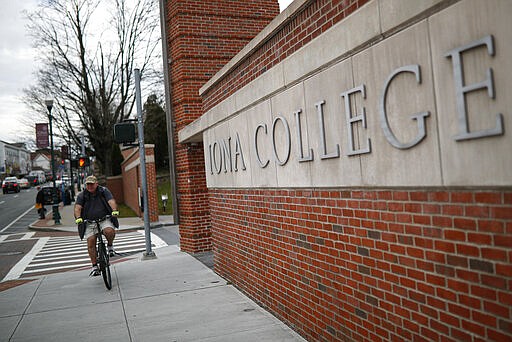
x=106, y=217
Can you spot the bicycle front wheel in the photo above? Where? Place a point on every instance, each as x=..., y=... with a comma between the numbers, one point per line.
x=104, y=265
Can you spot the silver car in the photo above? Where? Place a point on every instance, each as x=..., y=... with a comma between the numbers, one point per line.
x=23, y=183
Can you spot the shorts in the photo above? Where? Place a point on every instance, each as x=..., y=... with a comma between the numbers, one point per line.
x=91, y=227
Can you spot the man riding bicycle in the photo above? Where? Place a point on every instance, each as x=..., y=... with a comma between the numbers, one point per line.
x=94, y=203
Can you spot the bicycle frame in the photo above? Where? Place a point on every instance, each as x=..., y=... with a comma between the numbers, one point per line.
x=102, y=257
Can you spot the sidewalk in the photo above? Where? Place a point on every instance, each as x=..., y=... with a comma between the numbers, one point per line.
x=173, y=297
x=67, y=221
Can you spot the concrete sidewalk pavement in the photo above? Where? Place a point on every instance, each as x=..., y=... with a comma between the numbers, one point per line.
x=173, y=297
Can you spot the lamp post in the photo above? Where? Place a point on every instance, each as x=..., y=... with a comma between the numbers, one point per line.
x=55, y=208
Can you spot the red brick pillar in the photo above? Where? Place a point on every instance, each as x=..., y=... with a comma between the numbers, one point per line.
x=151, y=183
x=202, y=36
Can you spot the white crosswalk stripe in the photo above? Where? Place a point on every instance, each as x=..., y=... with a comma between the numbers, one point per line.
x=69, y=252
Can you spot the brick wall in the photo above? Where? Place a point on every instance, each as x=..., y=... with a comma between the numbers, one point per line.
x=372, y=265
x=363, y=264
x=202, y=37
x=132, y=181
x=312, y=21
x=115, y=185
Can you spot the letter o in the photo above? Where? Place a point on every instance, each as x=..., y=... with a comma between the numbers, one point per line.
x=288, y=140
x=216, y=167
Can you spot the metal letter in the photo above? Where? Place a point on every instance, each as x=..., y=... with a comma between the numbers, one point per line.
x=238, y=152
x=211, y=159
x=353, y=119
x=288, y=138
x=300, y=154
x=257, y=153
x=419, y=117
x=461, y=89
x=217, y=168
x=226, y=152
x=324, y=155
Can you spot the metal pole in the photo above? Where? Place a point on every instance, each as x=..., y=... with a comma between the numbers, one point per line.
x=55, y=206
x=142, y=155
x=82, y=140
x=72, y=186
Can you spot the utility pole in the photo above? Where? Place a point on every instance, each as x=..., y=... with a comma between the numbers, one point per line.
x=149, y=254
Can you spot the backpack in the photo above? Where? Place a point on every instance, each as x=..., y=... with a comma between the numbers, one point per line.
x=87, y=196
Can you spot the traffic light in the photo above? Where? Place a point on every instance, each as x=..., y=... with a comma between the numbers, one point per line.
x=62, y=162
x=83, y=161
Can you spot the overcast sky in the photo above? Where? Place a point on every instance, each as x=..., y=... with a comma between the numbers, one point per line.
x=17, y=67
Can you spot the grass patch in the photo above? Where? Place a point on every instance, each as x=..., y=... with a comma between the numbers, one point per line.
x=164, y=187
x=125, y=211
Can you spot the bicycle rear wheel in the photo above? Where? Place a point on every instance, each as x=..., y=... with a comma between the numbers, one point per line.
x=104, y=264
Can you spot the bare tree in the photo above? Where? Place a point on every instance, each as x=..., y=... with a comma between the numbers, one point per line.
x=89, y=71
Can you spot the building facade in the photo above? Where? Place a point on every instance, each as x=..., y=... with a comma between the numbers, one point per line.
x=41, y=161
x=357, y=160
x=14, y=159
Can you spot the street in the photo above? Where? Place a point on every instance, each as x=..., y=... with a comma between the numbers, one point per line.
x=27, y=253
x=17, y=212
x=13, y=207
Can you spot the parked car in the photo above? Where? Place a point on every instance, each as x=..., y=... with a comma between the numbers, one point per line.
x=23, y=183
x=33, y=180
x=9, y=179
x=10, y=184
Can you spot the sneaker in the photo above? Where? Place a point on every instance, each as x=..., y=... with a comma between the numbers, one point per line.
x=111, y=251
x=95, y=271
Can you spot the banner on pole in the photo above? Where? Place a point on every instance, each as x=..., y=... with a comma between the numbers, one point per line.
x=42, y=135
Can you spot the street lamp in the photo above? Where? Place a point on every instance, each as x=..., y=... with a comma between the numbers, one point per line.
x=55, y=208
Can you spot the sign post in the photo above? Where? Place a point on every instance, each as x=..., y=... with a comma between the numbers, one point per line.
x=149, y=254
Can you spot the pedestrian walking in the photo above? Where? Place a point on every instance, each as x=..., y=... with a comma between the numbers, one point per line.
x=40, y=203
x=94, y=203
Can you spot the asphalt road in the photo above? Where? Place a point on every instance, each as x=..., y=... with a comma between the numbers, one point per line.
x=11, y=252
x=15, y=209
x=16, y=213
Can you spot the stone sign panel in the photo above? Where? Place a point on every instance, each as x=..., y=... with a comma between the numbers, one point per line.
x=426, y=106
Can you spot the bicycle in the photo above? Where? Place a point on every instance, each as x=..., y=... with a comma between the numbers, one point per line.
x=102, y=257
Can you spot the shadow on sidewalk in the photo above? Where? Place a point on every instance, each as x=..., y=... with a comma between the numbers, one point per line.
x=206, y=258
